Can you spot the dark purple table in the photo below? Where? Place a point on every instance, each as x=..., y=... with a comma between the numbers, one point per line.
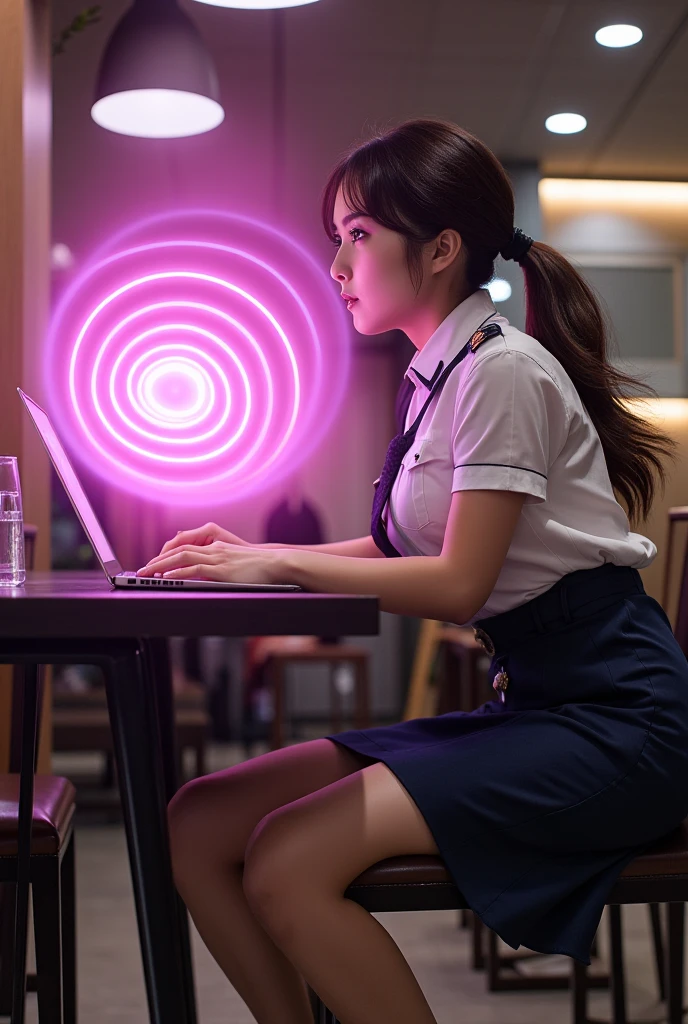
x=78, y=618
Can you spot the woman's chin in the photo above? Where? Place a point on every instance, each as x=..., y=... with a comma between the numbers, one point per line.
x=363, y=326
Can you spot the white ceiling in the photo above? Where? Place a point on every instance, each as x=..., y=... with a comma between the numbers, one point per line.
x=497, y=67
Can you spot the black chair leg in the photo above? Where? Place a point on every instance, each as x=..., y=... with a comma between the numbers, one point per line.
x=321, y=1014
x=7, y=910
x=658, y=946
x=492, y=962
x=618, y=983
x=478, y=949
x=47, y=922
x=579, y=992
x=676, y=913
x=69, y=997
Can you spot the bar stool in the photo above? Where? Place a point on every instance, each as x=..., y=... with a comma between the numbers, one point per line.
x=332, y=655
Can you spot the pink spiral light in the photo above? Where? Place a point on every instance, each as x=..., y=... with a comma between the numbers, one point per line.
x=198, y=359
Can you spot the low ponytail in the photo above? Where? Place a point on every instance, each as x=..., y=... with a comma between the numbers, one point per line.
x=563, y=314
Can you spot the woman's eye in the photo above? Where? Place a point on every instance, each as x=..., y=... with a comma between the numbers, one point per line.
x=359, y=232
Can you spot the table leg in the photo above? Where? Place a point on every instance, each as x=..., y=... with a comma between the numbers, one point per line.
x=30, y=698
x=133, y=719
x=158, y=680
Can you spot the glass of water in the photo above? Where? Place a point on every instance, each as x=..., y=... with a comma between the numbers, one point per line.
x=12, y=571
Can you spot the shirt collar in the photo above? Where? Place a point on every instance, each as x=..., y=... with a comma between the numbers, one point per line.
x=449, y=338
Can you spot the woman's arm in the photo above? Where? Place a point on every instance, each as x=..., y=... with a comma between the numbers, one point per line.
x=451, y=586
x=420, y=585
x=359, y=547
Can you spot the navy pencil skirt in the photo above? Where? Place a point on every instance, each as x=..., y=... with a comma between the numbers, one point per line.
x=537, y=803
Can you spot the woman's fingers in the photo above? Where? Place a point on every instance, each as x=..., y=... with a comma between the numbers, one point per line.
x=196, y=572
x=198, y=536
x=206, y=534
x=190, y=553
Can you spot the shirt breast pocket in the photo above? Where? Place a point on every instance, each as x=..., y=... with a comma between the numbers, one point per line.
x=415, y=503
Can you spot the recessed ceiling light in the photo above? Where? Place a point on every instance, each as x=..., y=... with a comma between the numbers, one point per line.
x=618, y=35
x=565, y=124
x=499, y=289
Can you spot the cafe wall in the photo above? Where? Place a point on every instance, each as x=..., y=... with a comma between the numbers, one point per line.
x=630, y=239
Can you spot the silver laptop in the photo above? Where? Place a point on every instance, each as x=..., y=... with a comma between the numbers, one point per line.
x=93, y=529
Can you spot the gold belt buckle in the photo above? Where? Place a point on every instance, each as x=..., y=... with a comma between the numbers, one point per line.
x=484, y=640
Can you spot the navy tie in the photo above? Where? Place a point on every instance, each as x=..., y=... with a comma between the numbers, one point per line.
x=402, y=442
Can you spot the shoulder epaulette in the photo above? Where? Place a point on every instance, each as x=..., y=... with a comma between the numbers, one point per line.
x=490, y=331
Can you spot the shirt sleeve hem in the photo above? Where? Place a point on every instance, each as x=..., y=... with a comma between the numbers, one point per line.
x=500, y=478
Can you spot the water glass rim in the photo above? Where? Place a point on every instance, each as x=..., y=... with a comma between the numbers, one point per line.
x=7, y=458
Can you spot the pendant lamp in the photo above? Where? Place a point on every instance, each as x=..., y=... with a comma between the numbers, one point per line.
x=156, y=77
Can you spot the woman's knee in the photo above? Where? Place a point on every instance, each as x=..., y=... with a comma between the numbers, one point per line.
x=274, y=872
x=194, y=816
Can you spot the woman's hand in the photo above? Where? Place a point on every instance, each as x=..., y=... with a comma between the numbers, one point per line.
x=203, y=535
x=219, y=561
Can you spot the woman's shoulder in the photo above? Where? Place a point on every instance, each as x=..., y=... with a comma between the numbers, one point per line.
x=497, y=355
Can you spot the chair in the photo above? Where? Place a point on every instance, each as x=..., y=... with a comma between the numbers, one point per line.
x=51, y=873
x=659, y=876
x=52, y=886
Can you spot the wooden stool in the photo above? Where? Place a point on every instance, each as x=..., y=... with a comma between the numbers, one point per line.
x=333, y=655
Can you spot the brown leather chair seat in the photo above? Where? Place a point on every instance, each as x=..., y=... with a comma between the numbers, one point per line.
x=668, y=856
x=389, y=878
x=53, y=810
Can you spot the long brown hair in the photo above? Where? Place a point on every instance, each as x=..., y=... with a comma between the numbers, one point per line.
x=427, y=175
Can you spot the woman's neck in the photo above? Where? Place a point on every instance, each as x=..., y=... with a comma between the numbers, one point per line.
x=432, y=314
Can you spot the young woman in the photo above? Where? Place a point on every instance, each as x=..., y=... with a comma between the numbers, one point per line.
x=499, y=497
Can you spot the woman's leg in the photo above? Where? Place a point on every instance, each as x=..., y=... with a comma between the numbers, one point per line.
x=299, y=862
x=210, y=822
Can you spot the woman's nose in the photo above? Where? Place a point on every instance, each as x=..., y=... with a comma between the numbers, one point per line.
x=338, y=272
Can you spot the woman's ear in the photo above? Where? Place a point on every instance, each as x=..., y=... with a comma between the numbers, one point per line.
x=447, y=247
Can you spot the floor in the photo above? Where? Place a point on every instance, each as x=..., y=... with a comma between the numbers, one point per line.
x=110, y=981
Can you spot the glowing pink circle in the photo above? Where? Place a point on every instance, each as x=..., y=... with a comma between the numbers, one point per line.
x=139, y=400
x=179, y=366
x=173, y=440
x=258, y=438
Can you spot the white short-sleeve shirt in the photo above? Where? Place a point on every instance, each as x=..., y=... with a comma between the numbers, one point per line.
x=508, y=419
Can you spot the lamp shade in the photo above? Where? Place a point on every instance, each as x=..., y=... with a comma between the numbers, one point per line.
x=156, y=77
x=258, y=5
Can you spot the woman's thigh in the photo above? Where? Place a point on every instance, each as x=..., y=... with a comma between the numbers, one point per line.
x=213, y=816
x=321, y=842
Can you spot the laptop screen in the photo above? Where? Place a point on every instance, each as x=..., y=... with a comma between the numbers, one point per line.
x=70, y=481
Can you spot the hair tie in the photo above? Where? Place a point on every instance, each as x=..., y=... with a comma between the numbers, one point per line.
x=517, y=247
